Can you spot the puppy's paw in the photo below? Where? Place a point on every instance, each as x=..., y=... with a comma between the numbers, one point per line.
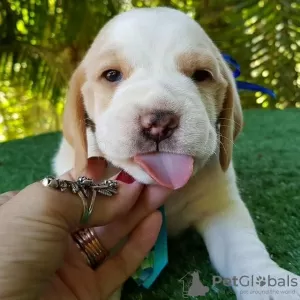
x=277, y=284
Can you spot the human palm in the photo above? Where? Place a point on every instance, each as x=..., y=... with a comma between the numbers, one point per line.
x=76, y=280
x=39, y=259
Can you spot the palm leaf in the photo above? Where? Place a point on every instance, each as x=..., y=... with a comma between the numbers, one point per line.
x=42, y=41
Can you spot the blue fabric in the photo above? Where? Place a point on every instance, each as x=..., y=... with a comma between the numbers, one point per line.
x=231, y=61
x=243, y=85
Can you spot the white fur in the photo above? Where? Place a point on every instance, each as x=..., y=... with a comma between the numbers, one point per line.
x=149, y=40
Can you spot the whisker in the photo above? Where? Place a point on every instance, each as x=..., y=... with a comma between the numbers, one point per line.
x=223, y=125
x=224, y=148
x=221, y=135
x=230, y=120
x=227, y=108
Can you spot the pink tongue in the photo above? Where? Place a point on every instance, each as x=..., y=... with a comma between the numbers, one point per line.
x=170, y=170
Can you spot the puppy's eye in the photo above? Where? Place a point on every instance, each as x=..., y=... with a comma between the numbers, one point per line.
x=202, y=75
x=112, y=75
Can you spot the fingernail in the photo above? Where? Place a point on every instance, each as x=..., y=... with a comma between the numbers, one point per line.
x=125, y=177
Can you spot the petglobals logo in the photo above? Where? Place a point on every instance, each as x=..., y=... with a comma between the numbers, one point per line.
x=258, y=281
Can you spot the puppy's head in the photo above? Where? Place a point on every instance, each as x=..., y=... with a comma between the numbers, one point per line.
x=161, y=99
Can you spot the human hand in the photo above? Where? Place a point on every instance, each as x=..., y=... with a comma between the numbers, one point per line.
x=39, y=259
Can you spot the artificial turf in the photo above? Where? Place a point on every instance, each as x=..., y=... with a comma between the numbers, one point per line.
x=267, y=161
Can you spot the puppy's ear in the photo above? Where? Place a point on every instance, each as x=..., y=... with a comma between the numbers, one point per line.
x=231, y=119
x=74, y=129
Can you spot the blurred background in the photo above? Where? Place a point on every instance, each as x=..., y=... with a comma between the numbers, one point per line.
x=42, y=41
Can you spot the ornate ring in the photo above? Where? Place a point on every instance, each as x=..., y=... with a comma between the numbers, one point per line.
x=86, y=189
x=90, y=247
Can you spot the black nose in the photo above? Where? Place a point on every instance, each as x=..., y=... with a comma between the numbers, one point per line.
x=159, y=125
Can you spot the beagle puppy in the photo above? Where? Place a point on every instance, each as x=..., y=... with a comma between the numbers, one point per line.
x=154, y=97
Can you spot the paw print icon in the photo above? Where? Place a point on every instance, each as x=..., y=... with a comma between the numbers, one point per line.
x=261, y=281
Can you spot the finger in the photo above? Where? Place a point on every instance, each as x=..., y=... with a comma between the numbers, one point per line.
x=116, y=270
x=68, y=208
x=151, y=198
x=95, y=169
x=7, y=196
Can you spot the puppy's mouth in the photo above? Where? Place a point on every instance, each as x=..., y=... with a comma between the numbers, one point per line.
x=167, y=169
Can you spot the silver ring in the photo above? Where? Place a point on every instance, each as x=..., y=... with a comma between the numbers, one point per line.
x=85, y=188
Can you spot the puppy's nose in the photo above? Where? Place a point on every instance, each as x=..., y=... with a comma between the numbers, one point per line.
x=159, y=125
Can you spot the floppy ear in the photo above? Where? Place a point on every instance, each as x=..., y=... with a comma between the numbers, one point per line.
x=230, y=119
x=74, y=129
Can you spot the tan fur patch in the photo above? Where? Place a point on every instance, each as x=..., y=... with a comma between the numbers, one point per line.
x=189, y=62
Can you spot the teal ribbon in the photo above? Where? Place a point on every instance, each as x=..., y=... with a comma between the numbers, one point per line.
x=156, y=260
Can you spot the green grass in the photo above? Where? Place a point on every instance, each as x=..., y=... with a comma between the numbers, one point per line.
x=267, y=161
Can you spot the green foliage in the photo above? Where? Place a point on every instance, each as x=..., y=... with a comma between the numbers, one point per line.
x=41, y=42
